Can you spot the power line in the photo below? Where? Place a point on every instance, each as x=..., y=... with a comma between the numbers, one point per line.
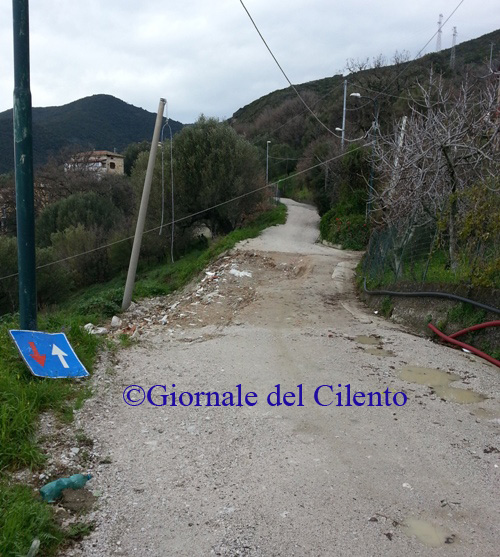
x=273, y=184
x=377, y=93
x=329, y=92
x=286, y=77
x=417, y=56
x=421, y=50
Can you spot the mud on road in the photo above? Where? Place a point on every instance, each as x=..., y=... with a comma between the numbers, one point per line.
x=262, y=480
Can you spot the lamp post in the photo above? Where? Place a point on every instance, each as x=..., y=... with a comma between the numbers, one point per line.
x=267, y=162
x=343, y=113
x=375, y=126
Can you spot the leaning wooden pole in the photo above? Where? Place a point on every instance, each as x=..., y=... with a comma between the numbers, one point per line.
x=141, y=219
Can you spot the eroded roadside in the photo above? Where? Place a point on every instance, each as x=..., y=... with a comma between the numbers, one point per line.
x=289, y=480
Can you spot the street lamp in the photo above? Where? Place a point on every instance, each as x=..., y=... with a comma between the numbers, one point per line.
x=375, y=126
x=267, y=162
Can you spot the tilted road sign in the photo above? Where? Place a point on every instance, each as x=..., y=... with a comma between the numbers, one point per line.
x=48, y=354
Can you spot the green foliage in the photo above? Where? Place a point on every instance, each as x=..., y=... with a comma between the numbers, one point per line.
x=132, y=152
x=212, y=165
x=53, y=281
x=24, y=518
x=87, y=209
x=466, y=315
x=87, y=269
x=479, y=232
x=386, y=307
x=104, y=305
x=351, y=231
x=8, y=287
x=23, y=397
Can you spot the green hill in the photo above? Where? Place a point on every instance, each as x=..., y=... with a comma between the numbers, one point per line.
x=96, y=122
x=283, y=119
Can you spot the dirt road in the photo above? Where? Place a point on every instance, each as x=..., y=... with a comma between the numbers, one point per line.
x=299, y=479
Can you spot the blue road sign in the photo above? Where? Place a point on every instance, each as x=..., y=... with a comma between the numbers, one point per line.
x=48, y=354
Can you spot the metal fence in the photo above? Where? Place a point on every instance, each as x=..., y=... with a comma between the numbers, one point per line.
x=416, y=257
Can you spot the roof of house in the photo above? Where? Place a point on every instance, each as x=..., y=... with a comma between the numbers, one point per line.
x=92, y=155
x=106, y=154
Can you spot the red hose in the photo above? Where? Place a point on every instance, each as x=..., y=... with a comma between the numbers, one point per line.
x=476, y=328
x=463, y=345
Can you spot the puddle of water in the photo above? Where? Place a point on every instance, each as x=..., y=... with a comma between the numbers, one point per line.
x=379, y=352
x=427, y=533
x=440, y=382
x=428, y=376
x=486, y=414
x=461, y=396
x=363, y=339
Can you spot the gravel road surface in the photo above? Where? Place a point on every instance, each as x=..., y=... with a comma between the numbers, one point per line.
x=299, y=478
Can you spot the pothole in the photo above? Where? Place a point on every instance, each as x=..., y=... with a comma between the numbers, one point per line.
x=440, y=381
x=379, y=352
x=363, y=339
x=427, y=533
x=486, y=414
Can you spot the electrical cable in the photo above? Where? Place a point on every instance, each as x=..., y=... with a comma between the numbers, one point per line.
x=271, y=184
x=171, y=185
x=286, y=77
x=405, y=68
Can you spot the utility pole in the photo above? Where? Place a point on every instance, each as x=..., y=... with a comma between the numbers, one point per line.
x=23, y=158
x=343, y=113
x=141, y=219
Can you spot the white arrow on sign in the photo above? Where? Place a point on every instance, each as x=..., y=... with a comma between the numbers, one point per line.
x=56, y=351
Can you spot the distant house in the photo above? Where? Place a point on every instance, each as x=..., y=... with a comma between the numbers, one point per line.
x=103, y=162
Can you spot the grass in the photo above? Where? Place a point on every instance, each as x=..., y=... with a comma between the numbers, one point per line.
x=418, y=269
x=22, y=519
x=24, y=397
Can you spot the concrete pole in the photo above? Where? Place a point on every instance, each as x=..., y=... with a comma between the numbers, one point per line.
x=141, y=219
x=343, y=113
x=23, y=155
x=267, y=162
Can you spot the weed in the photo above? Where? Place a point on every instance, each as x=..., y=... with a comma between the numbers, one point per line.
x=80, y=530
x=386, y=308
x=125, y=340
x=24, y=518
x=466, y=315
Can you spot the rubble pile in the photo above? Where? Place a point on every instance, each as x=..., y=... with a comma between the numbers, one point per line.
x=225, y=287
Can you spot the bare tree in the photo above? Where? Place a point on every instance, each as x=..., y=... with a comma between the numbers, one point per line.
x=447, y=144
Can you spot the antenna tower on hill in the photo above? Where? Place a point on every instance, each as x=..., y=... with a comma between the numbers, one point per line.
x=440, y=31
x=453, y=45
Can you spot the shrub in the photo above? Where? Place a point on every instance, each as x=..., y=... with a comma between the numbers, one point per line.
x=351, y=231
x=8, y=287
x=85, y=269
x=53, y=282
x=88, y=209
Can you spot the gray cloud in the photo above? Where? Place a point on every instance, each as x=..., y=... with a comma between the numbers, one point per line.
x=206, y=56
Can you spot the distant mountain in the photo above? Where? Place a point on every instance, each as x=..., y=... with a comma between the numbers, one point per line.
x=98, y=122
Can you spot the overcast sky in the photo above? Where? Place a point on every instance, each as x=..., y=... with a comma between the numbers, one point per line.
x=204, y=56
